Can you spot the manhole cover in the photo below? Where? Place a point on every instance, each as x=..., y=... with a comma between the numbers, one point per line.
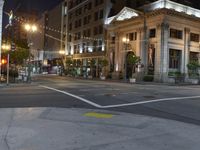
x=149, y=96
x=110, y=94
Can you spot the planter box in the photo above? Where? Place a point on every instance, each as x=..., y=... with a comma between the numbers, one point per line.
x=171, y=80
x=132, y=80
x=193, y=81
x=89, y=77
x=103, y=78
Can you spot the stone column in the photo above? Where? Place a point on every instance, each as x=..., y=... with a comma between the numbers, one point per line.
x=119, y=52
x=186, y=52
x=143, y=46
x=117, y=57
x=165, y=51
x=162, y=53
x=138, y=44
x=158, y=48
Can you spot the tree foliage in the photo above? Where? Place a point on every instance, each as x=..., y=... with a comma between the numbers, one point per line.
x=103, y=63
x=20, y=54
x=133, y=59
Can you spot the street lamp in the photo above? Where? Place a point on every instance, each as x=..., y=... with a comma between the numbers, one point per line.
x=30, y=28
x=125, y=40
x=61, y=52
x=7, y=47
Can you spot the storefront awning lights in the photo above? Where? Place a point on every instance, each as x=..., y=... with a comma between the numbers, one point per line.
x=172, y=5
x=125, y=13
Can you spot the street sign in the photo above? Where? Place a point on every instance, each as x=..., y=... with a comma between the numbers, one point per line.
x=11, y=16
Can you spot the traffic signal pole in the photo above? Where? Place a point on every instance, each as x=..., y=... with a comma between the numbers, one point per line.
x=8, y=66
x=0, y=64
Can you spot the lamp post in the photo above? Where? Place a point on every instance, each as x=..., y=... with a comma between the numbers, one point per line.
x=30, y=28
x=7, y=47
x=125, y=40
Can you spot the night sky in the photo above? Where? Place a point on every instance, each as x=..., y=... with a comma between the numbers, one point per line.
x=42, y=5
x=38, y=5
x=28, y=5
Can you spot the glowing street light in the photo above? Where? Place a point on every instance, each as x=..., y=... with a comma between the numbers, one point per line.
x=30, y=27
x=6, y=47
x=125, y=40
x=61, y=52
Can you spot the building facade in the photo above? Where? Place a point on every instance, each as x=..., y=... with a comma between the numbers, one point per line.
x=47, y=41
x=165, y=35
x=85, y=39
x=52, y=40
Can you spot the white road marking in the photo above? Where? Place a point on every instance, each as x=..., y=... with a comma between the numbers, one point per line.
x=120, y=105
x=74, y=96
x=151, y=101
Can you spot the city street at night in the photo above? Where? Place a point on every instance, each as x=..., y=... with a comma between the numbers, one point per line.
x=99, y=75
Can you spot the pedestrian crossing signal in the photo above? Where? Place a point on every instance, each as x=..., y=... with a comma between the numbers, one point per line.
x=13, y=47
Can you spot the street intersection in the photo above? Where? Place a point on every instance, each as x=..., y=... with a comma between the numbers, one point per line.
x=73, y=114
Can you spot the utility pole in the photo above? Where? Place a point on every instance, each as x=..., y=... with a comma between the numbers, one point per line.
x=30, y=28
x=8, y=68
x=1, y=11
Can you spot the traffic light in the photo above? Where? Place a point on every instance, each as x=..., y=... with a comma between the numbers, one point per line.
x=3, y=61
x=13, y=47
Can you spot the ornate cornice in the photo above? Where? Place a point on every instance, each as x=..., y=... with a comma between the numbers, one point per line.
x=170, y=12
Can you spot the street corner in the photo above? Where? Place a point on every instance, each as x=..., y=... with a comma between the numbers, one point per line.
x=85, y=129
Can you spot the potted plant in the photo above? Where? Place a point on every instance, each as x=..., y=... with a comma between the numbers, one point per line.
x=193, y=68
x=133, y=60
x=103, y=63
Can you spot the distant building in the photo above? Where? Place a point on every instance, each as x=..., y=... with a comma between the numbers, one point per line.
x=52, y=40
x=47, y=42
x=165, y=35
x=37, y=40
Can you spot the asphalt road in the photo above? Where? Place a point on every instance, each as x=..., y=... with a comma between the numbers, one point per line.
x=181, y=103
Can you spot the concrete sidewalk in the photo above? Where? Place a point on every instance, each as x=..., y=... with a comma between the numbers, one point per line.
x=81, y=129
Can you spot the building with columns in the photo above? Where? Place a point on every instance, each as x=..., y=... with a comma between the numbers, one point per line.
x=164, y=34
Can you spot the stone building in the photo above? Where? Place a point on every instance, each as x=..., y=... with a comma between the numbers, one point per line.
x=164, y=34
